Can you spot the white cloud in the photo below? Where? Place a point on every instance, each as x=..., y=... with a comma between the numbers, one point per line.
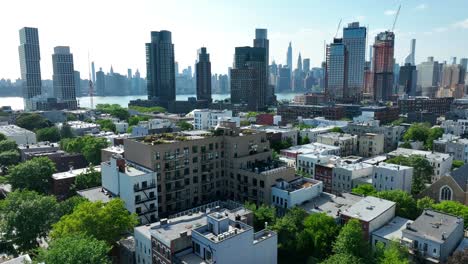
x=462, y=24
x=421, y=6
x=390, y=12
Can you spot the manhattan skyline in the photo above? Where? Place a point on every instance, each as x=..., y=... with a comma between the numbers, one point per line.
x=117, y=37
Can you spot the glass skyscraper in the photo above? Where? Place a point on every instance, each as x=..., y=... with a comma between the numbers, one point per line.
x=63, y=77
x=30, y=58
x=336, y=70
x=354, y=38
x=203, y=73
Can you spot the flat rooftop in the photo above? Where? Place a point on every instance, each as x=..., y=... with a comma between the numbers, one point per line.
x=433, y=225
x=297, y=184
x=428, y=154
x=354, y=166
x=337, y=136
x=115, y=149
x=391, y=166
x=330, y=204
x=96, y=194
x=375, y=160
x=39, y=145
x=72, y=173
x=310, y=148
x=393, y=229
x=368, y=208
x=12, y=130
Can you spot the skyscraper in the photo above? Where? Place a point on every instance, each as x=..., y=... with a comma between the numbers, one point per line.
x=306, y=65
x=203, y=72
x=129, y=74
x=248, y=77
x=299, y=62
x=100, y=83
x=354, y=38
x=428, y=77
x=30, y=58
x=383, y=65
x=407, y=80
x=261, y=41
x=77, y=78
x=93, y=72
x=289, y=57
x=411, y=56
x=160, y=68
x=335, y=74
x=284, y=79
x=63, y=76
x=464, y=63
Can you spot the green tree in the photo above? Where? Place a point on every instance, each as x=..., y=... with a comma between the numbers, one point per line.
x=406, y=145
x=365, y=190
x=394, y=253
x=279, y=145
x=302, y=126
x=434, y=134
x=106, y=124
x=76, y=249
x=184, y=125
x=34, y=174
x=262, y=214
x=89, y=146
x=337, y=130
x=87, y=179
x=2, y=137
x=424, y=203
x=67, y=206
x=305, y=140
x=417, y=132
x=342, y=259
x=114, y=110
x=66, y=131
x=142, y=109
x=134, y=120
x=288, y=229
x=320, y=230
x=457, y=164
x=26, y=216
x=454, y=208
x=71, y=117
x=94, y=218
x=32, y=121
x=351, y=241
x=6, y=145
x=422, y=171
x=51, y=134
x=405, y=204
x=10, y=157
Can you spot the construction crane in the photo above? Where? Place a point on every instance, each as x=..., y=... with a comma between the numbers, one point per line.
x=338, y=29
x=396, y=17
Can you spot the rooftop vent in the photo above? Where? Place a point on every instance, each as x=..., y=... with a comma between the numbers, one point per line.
x=163, y=221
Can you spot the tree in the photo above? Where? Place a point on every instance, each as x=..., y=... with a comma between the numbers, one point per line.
x=10, y=157
x=406, y=145
x=424, y=203
x=89, y=146
x=66, y=131
x=184, y=125
x=417, y=132
x=457, y=164
x=459, y=257
x=288, y=229
x=2, y=137
x=422, y=170
x=320, y=230
x=51, y=134
x=142, y=109
x=67, y=206
x=6, y=145
x=337, y=130
x=342, y=259
x=302, y=126
x=262, y=214
x=114, y=110
x=406, y=206
x=434, y=134
x=394, y=253
x=76, y=249
x=454, y=208
x=87, y=179
x=305, y=140
x=32, y=121
x=134, y=120
x=34, y=174
x=106, y=125
x=279, y=145
x=94, y=218
x=71, y=117
x=365, y=190
x=351, y=241
x=26, y=216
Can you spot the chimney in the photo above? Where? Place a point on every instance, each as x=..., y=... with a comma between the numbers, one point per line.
x=121, y=164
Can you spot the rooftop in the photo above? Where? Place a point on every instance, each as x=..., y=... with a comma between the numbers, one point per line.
x=315, y=147
x=96, y=194
x=296, y=184
x=434, y=226
x=331, y=204
x=390, y=166
x=354, y=166
x=393, y=229
x=72, y=173
x=115, y=149
x=39, y=145
x=81, y=124
x=11, y=130
x=427, y=154
x=375, y=160
x=337, y=136
x=368, y=208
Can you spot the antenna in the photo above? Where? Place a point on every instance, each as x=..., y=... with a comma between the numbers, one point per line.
x=396, y=17
x=338, y=29
x=91, y=87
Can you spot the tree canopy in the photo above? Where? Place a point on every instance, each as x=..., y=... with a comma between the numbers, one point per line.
x=422, y=170
x=106, y=124
x=405, y=204
x=93, y=219
x=51, y=134
x=89, y=146
x=350, y=241
x=87, y=179
x=2, y=137
x=142, y=109
x=66, y=131
x=34, y=174
x=337, y=130
x=134, y=120
x=184, y=125
x=7, y=144
x=76, y=249
x=32, y=121
x=394, y=253
x=424, y=133
x=342, y=259
x=114, y=110
x=365, y=190
x=262, y=214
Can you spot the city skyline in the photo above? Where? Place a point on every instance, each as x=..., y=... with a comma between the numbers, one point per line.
x=103, y=38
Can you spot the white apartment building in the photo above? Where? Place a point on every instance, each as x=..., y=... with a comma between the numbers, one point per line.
x=312, y=133
x=344, y=174
x=306, y=162
x=144, y=127
x=441, y=162
x=389, y=176
x=459, y=149
x=208, y=118
x=346, y=142
x=321, y=121
x=20, y=135
x=294, y=193
x=121, y=126
x=457, y=128
x=79, y=128
x=135, y=185
x=370, y=144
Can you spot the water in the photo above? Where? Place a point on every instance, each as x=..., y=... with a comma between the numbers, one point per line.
x=17, y=102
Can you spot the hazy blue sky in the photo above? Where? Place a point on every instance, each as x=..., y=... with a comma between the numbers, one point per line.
x=114, y=31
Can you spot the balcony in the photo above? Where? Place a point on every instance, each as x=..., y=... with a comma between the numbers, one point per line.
x=138, y=188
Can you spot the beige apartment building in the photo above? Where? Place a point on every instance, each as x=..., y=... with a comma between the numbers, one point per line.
x=197, y=167
x=370, y=145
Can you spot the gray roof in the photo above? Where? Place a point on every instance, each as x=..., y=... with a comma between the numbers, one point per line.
x=369, y=208
x=393, y=229
x=433, y=225
x=19, y=260
x=95, y=194
x=330, y=204
x=460, y=175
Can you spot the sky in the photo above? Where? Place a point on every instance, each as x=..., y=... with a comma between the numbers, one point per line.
x=114, y=32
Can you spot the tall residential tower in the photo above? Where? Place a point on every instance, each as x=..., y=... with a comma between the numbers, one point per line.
x=203, y=73
x=354, y=38
x=63, y=77
x=383, y=65
x=30, y=57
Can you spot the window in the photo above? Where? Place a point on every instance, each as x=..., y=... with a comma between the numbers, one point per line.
x=262, y=184
x=195, y=159
x=195, y=149
x=445, y=193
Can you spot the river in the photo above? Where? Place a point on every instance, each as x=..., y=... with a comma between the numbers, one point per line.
x=17, y=102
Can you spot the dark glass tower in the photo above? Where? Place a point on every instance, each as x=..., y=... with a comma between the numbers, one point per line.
x=30, y=58
x=64, y=79
x=203, y=73
x=160, y=68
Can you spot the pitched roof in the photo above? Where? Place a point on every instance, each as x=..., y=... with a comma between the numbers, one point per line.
x=460, y=175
